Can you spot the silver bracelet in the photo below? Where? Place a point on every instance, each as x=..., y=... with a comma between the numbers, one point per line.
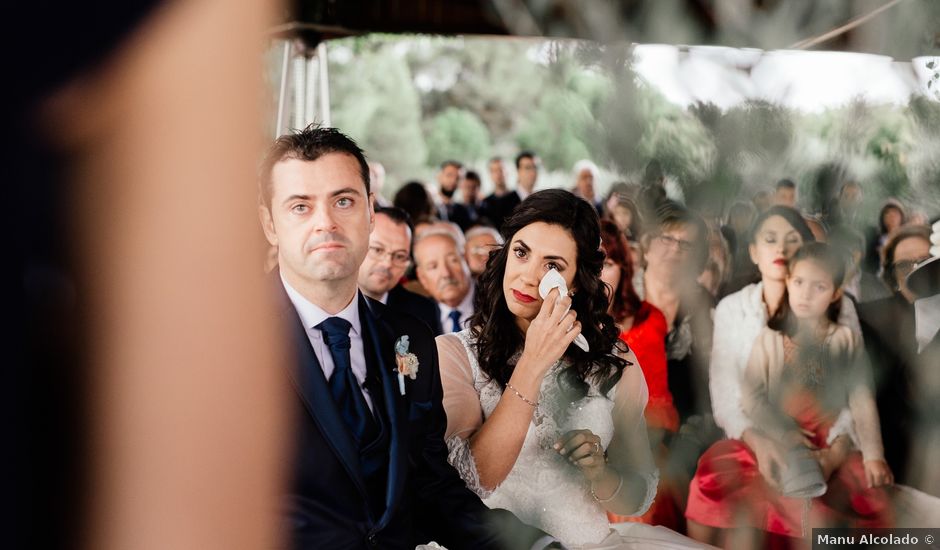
x=520, y=396
x=611, y=497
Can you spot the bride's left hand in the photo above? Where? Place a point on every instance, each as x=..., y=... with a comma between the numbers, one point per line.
x=583, y=449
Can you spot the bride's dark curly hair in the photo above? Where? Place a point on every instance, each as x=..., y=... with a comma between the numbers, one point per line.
x=498, y=338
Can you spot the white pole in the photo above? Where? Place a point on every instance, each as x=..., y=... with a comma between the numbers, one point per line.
x=324, y=86
x=282, y=95
x=310, y=105
x=300, y=81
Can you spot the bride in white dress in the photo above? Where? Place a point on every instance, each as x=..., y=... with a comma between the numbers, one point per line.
x=537, y=425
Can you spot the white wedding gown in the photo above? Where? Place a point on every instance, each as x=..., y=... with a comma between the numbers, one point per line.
x=543, y=489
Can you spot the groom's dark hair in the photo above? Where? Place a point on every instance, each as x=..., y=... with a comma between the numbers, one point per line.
x=309, y=144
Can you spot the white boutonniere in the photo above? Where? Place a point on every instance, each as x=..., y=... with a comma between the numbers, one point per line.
x=406, y=363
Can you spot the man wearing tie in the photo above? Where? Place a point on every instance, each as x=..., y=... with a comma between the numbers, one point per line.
x=370, y=465
x=443, y=272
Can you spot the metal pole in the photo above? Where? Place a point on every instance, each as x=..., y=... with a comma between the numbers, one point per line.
x=282, y=95
x=300, y=81
x=324, y=86
x=310, y=105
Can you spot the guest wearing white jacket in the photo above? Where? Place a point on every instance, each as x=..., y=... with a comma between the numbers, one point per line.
x=776, y=235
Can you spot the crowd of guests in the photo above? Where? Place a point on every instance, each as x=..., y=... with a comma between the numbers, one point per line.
x=777, y=348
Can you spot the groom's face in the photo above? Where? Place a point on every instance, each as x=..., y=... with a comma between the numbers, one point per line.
x=320, y=218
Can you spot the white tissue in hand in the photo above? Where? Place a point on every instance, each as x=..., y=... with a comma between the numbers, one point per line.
x=551, y=280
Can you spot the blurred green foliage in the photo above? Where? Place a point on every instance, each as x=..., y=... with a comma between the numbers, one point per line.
x=415, y=101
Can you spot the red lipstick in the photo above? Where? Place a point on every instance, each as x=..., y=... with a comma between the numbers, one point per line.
x=524, y=298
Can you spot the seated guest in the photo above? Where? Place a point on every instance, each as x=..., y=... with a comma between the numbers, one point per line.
x=643, y=328
x=785, y=193
x=448, y=179
x=585, y=172
x=891, y=216
x=775, y=237
x=676, y=250
x=480, y=241
x=491, y=203
x=368, y=466
x=414, y=199
x=386, y=261
x=377, y=180
x=888, y=326
x=819, y=229
x=762, y=200
x=548, y=430
x=860, y=286
x=438, y=225
x=471, y=199
x=623, y=211
x=803, y=369
x=443, y=272
x=924, y=281
x=527, y=172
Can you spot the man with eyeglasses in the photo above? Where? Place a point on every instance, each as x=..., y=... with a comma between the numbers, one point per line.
x=387, y=259
x=676, y=250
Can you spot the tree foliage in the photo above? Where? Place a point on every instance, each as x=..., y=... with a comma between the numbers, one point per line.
x=415, y=101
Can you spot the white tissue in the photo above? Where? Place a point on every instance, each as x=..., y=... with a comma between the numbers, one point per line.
x=551, y=280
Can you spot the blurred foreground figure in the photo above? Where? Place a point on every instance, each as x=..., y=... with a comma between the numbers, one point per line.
x=152, y=382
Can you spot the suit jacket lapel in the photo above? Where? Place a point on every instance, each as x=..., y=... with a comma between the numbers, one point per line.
x=307, y=376
x=382, y=340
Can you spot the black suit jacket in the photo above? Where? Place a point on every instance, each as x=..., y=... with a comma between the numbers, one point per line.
x=402, y=300
x=500, y=208
x=888, y=330
x=459, y=214
x=327, y=505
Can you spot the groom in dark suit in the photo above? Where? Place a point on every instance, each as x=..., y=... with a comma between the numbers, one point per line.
x=370, y=464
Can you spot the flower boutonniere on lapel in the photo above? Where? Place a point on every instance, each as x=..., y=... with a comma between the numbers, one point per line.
x=406, y=363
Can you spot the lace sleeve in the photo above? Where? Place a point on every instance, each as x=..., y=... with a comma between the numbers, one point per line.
x=461, y=458
x=629, y=450
x=461, y=400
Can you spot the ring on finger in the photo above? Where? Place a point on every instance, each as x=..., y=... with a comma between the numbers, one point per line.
x=597, y=447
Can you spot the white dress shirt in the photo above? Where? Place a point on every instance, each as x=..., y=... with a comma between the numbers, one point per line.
x=465, y=307
x=311, y=315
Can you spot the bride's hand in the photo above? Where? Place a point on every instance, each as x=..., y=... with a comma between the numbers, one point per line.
x=583, y=449
x=550, y=333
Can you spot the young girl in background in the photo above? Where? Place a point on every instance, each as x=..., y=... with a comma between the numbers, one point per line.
x=805, y=367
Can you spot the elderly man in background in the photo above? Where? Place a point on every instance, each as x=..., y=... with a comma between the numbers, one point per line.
x=480, y=241
x=585, y=173
x=443, y=272
x=387, y=259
